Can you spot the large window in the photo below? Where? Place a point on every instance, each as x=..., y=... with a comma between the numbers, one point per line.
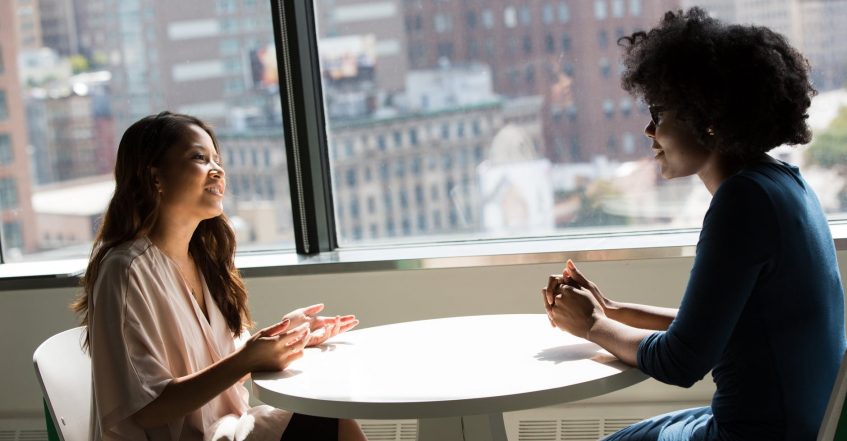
x=435, y=121
x=557, y=146
x=96, y=67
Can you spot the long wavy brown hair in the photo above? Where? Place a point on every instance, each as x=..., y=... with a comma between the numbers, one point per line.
x=134, y=210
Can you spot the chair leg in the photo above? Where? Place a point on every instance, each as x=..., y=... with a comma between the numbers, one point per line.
x=52, y=433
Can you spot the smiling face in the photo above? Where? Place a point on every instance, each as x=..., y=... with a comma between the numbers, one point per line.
x=675, y=147
x=191, y=180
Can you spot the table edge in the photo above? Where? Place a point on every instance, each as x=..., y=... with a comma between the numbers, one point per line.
x=450, y=408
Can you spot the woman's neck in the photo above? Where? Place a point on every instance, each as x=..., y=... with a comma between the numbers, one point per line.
x=719, y=167
x=172, y=238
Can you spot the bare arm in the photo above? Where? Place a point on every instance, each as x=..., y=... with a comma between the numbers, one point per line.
x=632, y=314
x=619, y=339
x=639, y=316
x=268, y=350
x=574, y=309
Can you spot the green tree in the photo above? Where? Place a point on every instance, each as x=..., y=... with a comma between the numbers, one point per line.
x=829, y=148
x=79, y=63
x=99, y=60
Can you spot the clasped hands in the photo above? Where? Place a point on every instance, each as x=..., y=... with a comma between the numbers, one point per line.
x=573, y=303
x=277, y=346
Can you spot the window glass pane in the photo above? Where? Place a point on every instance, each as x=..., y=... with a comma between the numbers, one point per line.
x=564, y=12
x=88, y=69
x=617, y=8
x=4, y=106
x=600, y=9
x=635, y=7
x=6, y=155
x=525, y=133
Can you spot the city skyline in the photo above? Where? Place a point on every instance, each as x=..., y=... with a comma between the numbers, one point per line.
x=421, y=98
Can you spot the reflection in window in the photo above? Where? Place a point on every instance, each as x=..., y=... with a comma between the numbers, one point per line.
x=549, y=43
x=603, y=39
x=605, y=68
x=526, y=15
x=600, y=9
x=628, y=143
x=4, y=109
x=487, y=18
x=635, y=7
x=566, y=42
x=8, y=193
x=13, y=237
x=547, y=14
x=564, y=12
x=443, y=23
x=617, y=8
x=608, y=108
x=527, y=45
x=625, y=106
x=510, y=17
x=6, y=153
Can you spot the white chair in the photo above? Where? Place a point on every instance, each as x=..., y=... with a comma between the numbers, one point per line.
x=834, y=424
x=64, y=372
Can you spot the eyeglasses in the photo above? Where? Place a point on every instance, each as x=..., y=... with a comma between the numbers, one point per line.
x=655, y=113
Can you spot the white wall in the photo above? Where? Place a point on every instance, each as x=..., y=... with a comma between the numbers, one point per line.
x=29, y=317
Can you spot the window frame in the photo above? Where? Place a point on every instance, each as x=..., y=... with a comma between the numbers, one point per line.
x=304, y=126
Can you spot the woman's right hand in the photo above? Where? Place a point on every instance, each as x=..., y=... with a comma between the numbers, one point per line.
x=573, y=276
x=275, y=347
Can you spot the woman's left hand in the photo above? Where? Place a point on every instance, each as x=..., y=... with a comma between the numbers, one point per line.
x=322, y=328
x=571, y=308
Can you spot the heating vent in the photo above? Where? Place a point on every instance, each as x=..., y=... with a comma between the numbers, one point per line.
x=408, y=431
x=588, y=429
x=32, y=435
x=537, y=430
x=585, y=429
x=23, y=435
x=612, y=425
x=390, y=431
x=580, y=430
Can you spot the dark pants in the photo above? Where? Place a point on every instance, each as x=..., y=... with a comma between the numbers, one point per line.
x=307, y=427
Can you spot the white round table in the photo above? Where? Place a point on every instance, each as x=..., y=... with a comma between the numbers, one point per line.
x=455, y=374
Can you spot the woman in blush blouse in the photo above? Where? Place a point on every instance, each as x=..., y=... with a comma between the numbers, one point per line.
x=164, y=305
x=764, y=306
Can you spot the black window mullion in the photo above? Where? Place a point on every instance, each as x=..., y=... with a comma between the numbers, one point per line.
x=304, y=126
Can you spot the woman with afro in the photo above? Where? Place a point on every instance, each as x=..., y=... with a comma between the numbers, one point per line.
x=763, y=309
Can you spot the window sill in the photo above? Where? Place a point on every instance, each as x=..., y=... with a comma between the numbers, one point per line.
x=658, y=244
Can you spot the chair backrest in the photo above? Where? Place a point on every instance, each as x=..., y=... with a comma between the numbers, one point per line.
x=64, y=372
x=834, y=424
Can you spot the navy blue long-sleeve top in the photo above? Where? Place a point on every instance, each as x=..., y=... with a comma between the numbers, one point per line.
x=763, y=309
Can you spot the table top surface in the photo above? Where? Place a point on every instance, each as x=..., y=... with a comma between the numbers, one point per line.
x=445, y=367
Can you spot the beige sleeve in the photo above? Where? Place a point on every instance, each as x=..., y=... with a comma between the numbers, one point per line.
x=129, y=365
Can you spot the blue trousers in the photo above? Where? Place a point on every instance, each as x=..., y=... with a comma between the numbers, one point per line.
x=682, y=425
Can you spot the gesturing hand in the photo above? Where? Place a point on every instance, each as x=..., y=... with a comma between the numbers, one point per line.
x=322, y=328
x=275, y=347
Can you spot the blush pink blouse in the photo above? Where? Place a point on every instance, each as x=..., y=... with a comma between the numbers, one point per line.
x=145, y=330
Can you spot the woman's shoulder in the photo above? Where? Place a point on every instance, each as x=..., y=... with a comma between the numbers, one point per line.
x=122, y=270
x=762, y=178
x=770, y=172
x=124, y=257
